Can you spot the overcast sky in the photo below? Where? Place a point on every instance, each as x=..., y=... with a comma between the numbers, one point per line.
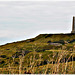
x=20, y=20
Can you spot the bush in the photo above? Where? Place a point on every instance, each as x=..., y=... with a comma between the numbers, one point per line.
x=72, y=41
x=60, y=41
x=2, y=62
x=49, y=42
x=16, y=62
x=3, y=56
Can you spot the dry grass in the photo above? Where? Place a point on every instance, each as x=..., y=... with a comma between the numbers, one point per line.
x=50, y=68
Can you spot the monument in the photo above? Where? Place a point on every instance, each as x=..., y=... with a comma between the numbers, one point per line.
x=73, y=26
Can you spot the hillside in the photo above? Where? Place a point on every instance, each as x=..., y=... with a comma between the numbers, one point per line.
x=44, y=49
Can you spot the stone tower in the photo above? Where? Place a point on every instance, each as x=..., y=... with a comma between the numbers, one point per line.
x=73, y=26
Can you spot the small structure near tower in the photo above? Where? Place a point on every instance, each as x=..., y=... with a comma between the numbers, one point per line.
x=73, y=26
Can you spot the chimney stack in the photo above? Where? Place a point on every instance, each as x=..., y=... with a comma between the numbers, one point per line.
x=73, y=26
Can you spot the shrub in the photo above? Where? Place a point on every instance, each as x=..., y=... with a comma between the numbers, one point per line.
x=3, y=56
x=2, y=62
x=60, y=41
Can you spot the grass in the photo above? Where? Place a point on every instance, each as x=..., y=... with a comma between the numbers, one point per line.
x=48, y=68
x=55, y=50
x=37, y=56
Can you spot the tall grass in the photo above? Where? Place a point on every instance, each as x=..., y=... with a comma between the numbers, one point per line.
x=57, y=64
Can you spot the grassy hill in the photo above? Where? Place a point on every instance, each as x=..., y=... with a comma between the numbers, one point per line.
x=45, y=50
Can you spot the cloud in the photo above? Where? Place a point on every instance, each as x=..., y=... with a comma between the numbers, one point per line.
x=25, y=19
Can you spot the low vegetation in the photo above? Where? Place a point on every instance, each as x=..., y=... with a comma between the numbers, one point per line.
x=44, y=54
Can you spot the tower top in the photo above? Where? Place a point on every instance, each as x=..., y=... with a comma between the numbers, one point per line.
x=73, y=25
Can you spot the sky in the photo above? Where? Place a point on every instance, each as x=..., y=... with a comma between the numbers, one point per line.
x=21, y=20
